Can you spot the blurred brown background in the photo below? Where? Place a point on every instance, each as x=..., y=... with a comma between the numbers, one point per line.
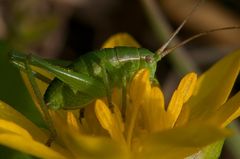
x=53, y=27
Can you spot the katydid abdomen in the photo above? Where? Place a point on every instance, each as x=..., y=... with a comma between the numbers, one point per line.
x=116, y=64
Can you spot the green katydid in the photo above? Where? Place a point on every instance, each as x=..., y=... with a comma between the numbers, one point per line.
x=94, y=74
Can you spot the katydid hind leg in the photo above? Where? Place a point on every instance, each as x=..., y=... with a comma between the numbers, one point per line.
x=43, y=107
x=76, y=81
x=16, y=56
x=36, y=74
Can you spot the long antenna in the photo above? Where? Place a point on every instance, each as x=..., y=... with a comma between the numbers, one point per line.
x=164, y=53
x=160, y=50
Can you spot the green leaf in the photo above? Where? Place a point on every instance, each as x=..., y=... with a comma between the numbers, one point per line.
x=13, y=154
x=212, y=151
x=12, y=88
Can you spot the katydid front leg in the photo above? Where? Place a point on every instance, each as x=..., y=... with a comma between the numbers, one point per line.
x=124, y=97
x=107, y=86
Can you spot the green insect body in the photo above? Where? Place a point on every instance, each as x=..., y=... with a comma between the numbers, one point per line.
x=92, y=75
x=116, y=64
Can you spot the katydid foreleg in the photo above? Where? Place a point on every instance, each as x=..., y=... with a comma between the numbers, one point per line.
x=21, y=66
x=107, y=86
x=124, y=97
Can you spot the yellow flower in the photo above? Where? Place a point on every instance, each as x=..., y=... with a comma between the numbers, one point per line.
x=195, y=117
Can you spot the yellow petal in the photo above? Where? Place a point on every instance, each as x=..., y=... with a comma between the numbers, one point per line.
x=9, y=114
x=118, y=116
x=10, y=127
x=213, y=87
x=120, y=39
x=140, y=87
x=227, y=112
x=154, y=114
x=108, y=121
x=87, y=147
x=72, y=121
x=29, y=146
x=180, y=96
x=156, y=98
x=103, y=114
x=174, y=108
x=92, y=123
x=181, y=142
x=187, y=85
x=139, y=91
